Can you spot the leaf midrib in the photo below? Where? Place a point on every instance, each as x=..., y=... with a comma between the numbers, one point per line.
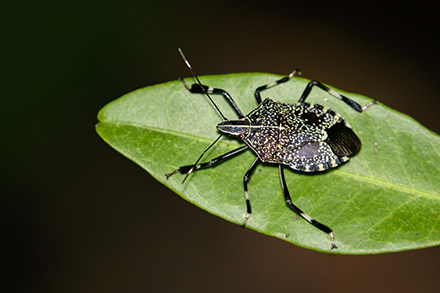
x=342, y=173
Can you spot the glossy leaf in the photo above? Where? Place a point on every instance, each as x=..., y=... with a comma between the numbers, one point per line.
x=386, y=198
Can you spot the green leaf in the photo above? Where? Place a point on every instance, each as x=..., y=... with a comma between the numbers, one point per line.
x=386, y=198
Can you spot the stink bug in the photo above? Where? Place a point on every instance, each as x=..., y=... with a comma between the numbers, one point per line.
x=304, y=136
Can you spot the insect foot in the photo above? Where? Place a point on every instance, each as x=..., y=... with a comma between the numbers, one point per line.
x=171, y=174
x=332, y=237
x=245, y=220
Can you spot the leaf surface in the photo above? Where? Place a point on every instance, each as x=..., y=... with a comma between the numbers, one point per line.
x=386, y=198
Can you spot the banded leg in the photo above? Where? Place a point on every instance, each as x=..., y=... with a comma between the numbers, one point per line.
x=272, y=84
x=294, y=208
x=246, y=179
x=212, y=163
x=197, y=89
x=335, y=94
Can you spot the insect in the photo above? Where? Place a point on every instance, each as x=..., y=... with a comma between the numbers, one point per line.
x=306, y=137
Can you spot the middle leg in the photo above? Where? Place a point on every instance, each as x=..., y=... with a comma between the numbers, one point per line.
x=335, y=94
x=272, y=84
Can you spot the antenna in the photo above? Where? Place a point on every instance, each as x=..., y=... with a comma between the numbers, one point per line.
x=198, y=81
x=198, y=160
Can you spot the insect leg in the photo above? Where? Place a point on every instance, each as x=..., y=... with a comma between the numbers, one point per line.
x=197, y=89
x=335, y=94
x=277, y=82
x=246, y=178
x=294, y=208
x=212, y=163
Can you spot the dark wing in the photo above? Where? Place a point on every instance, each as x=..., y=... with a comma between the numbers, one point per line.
x=342, y=140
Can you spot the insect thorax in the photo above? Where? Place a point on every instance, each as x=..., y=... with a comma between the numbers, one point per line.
x=306, y=137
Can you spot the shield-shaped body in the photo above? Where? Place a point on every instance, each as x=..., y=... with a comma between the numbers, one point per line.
x=306, y=137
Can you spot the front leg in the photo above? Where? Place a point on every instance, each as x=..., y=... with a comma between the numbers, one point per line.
x=246, y=179
x=198, y=89
x=191, y=168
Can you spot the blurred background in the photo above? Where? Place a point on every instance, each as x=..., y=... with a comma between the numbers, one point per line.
x=78, y=217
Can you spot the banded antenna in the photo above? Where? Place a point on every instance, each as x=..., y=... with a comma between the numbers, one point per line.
x=220, y=112
x=194, y=166
x=198, y=81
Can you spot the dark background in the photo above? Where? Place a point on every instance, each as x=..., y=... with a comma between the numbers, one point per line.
x=78, y=217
